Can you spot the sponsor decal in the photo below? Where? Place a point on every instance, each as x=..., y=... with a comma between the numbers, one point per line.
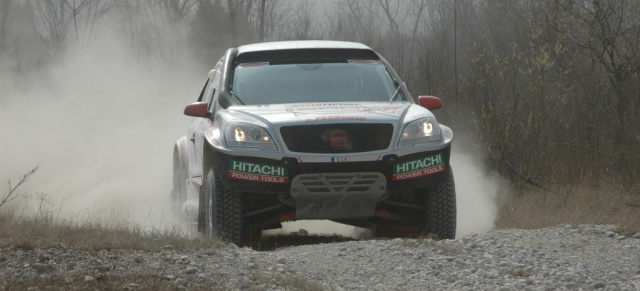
x=332, y=109
x=247, y=171
x=362, y=61
x=419, y=168
x=195, y=191
x=307, y=105
x=448, y=132
x=211, y=138
x=358, y=118
x=416, y=117
x=245, y=65
x=204, y=124
x=393, y=111
x=209, y=135
x=338, y=138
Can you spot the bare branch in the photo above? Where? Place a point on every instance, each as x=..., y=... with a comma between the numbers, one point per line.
x=12, y=190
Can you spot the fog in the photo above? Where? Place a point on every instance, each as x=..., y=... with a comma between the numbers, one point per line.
x=100, y=123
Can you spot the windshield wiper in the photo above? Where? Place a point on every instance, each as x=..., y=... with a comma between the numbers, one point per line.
x=237, y=97
x=396, y=94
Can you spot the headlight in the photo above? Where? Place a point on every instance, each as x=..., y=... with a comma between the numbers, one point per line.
x=248, y=135
x=417, y=131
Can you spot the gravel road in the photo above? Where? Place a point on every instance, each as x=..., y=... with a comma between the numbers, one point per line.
x=566, y=257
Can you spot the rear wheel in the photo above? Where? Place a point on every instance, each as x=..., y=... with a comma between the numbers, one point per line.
x=222, y=213
x=440, y=209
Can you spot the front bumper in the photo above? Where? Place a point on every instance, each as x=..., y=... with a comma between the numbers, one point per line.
x=261, y=175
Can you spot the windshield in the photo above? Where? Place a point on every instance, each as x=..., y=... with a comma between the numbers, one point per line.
x=353, y=80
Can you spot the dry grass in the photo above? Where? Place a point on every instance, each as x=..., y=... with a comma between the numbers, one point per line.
x=532, y=210
x=44, y=228
x=41, y=231
x=32, y=232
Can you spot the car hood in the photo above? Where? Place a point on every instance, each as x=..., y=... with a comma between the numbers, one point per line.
x=366, y=112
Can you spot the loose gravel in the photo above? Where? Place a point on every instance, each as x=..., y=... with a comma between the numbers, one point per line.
x=566, y=257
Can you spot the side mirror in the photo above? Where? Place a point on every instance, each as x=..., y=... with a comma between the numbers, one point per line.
x=430, y=102
x=198, y=109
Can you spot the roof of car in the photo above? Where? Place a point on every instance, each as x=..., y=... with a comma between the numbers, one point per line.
x=301, y=44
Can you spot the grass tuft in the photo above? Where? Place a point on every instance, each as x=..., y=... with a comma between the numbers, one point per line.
x=30, y=232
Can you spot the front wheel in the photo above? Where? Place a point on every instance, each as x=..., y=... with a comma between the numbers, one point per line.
x=440, y=209
x=222, y=213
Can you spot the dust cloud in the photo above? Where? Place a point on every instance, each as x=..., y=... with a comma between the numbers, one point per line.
x=476, y=191
x=100, y=126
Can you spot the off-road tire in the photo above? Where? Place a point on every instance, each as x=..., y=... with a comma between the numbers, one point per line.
x=440, y=209
x=222, y=209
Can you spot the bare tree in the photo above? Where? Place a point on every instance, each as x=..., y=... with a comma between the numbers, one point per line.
x=5, y=10
x=261, y=21
x=58, y=18
x=55, y=26
x=300, y=22
x=351, y=20
x=239, y=13
x=156, y=29
x=268, y=19
x=389, y=26
x=610, y=35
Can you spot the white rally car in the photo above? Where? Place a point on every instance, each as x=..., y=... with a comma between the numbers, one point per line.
x=312, y=130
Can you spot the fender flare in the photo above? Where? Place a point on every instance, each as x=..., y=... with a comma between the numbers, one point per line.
x=208, y=158
x=180, y=160
x=180, y=168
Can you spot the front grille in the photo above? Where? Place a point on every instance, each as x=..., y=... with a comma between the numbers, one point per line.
x=317, y=138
